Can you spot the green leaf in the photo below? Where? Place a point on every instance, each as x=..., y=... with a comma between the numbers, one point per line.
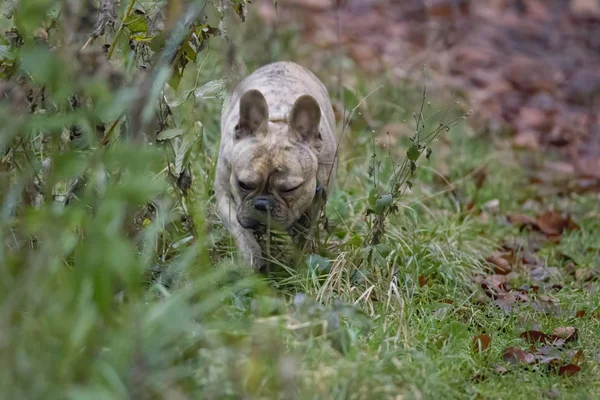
x=355, y=240
x=413, y=153
x=383, y=202
x=169, y=134
x=373, y=195
x=318, y=263
x=185, y=147
x=188, y=51
x=136, y=22
x=212, y=89
x=158, y=42
x=175, y=78
x=141, y=37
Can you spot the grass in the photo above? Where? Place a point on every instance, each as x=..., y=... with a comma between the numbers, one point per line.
x=91, y=312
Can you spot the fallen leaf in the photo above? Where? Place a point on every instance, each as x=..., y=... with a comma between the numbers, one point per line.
x=501, y=370
x=493, y=284
x=527, y=323
x=423, y=280
x=548, y=351
x=528, y=139
x=546, y=305
x=580, y=314
x=550, y=361
x=578, y=357
x=567, y=333
x=568, y=370
x=534, y=337
x=506, y=301
x=583, y=275
x=501, y=265
x=552, y=223
x=515, y=355
x=447, y=8
x=521, y=219
x=543, y=273
x=481, y=343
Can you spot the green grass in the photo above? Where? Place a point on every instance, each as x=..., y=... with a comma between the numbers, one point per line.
x=90, y=312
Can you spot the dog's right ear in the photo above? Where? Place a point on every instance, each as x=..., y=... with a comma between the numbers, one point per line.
x=254, y=112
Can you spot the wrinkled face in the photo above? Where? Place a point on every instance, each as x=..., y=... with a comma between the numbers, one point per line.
x=273, y=175
x=274, y=171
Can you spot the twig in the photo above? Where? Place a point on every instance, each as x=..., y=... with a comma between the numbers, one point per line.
x=108, y=134
x=347, y=122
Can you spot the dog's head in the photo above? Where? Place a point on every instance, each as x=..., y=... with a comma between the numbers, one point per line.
x=274, y=164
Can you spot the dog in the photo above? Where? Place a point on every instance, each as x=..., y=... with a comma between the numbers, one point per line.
x=277, y=157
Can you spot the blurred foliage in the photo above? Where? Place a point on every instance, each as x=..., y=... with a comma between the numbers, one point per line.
x=116, y=279
x=108, y=287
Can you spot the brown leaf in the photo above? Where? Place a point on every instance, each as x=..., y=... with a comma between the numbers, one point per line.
x=493, y=284
x=500, y=370
x=534, y=337
x=546, y=304
x=552, y=223
x=528, y=139
x=548, y=351
x=501, y=265
x=580, y=314
x=521, y=219
x=533, y=118
x=585, y=8
x=542, y=273
x=515, y=355
x=578, y=357
x=481, y=343
x=506, y=301
x=423, y=280
x=583, y=275
x=568, y=370
x=550, y=361
x=567, y=333
x=447, y=8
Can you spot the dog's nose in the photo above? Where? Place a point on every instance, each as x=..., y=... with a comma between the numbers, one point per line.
x=263, y=203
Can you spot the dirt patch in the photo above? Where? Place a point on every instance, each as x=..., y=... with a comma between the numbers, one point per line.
x=531, y=67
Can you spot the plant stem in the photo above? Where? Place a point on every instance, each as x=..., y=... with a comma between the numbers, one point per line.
x=110, y=131
x=114, y=43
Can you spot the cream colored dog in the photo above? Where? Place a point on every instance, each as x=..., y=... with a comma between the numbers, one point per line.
x=277, y=154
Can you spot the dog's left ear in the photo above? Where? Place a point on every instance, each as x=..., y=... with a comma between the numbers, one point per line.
x=305, y=118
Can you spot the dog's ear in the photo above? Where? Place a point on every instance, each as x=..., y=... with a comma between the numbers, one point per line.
x=254, y=112
x=305, y=118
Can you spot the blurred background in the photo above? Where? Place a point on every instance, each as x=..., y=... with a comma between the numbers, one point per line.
x=458, y=256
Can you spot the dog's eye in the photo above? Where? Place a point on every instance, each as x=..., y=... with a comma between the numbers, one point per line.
x=289, y=190
x=245, y=186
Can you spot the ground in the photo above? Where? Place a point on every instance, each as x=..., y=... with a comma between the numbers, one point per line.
x=451, y=263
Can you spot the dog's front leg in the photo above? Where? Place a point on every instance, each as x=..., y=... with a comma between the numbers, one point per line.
x=248, y=247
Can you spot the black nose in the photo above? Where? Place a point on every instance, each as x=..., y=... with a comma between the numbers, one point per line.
x=263, y=203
